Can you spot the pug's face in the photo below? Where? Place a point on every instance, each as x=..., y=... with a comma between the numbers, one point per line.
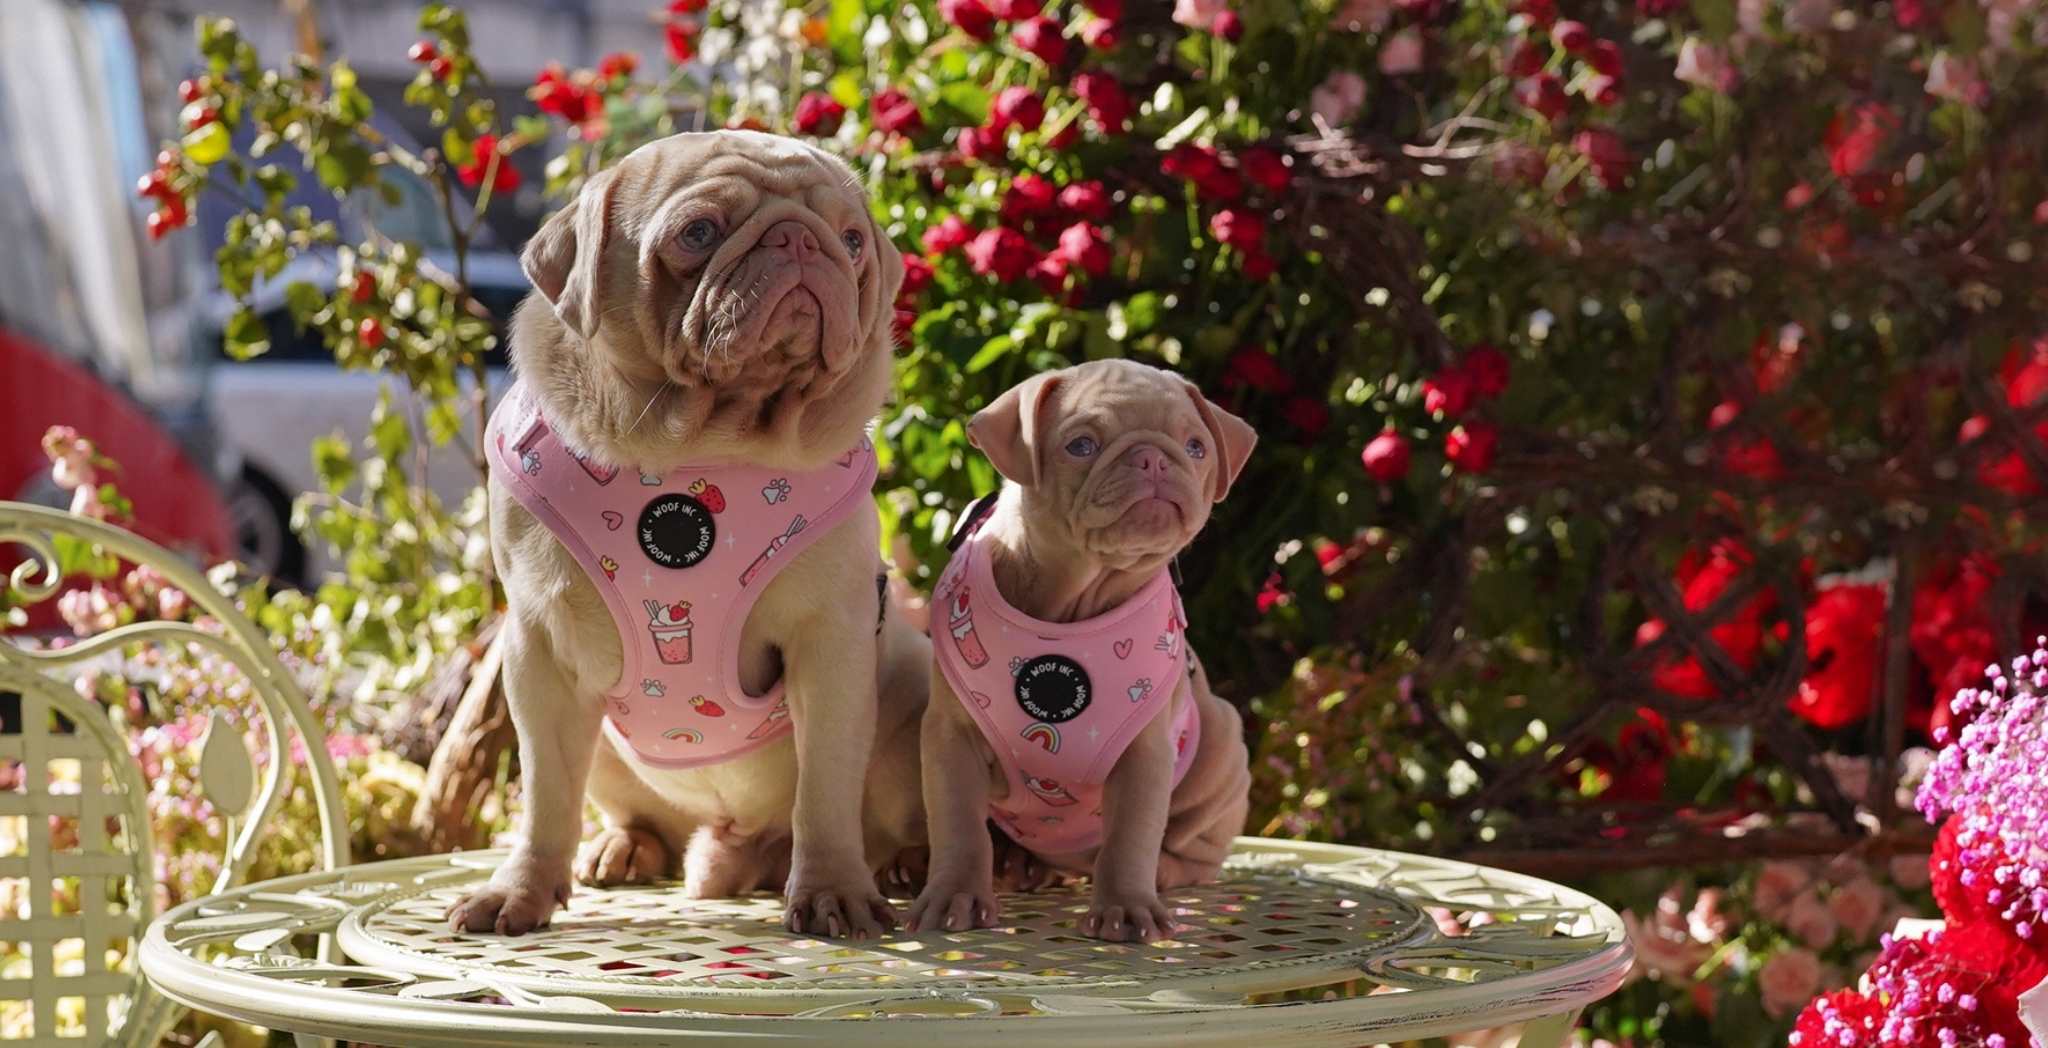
x=1118, y=460
x=738, y=277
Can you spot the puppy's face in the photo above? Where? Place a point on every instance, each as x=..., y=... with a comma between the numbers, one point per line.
x=734, y=278
x=1118, y=460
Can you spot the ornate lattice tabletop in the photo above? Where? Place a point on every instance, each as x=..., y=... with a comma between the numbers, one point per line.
x=1301, y=944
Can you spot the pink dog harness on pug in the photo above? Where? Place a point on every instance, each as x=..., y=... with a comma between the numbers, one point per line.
x=680, y=559
x=1059, y=702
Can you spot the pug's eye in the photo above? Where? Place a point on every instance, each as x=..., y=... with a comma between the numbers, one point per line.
x=854, y=242
x=699, y=235
x=1196, y=449
x=1081, y=447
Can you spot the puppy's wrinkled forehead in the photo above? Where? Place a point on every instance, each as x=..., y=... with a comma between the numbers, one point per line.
x=735, y=172
x=1126, y=396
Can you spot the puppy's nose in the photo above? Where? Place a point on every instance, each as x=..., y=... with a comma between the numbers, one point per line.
x=1149, y=460
x=793, y=238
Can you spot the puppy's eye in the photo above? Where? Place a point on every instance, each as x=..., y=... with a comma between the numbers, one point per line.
x=1081, y=447
x=854, y=242
x=1196, y=449
x=699, y=235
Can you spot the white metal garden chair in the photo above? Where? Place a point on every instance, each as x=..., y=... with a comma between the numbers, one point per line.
x=94, y=842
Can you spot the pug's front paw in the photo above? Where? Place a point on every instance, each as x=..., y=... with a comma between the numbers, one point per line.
x=1127, y=915
x=519, y=898
x=846, y=906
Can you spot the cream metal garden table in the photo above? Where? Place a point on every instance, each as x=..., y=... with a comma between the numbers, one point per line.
x=1301, y=944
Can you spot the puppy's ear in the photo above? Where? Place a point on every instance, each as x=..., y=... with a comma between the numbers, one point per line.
x=562, y=258
x=1007, y=430
x=1232, y=438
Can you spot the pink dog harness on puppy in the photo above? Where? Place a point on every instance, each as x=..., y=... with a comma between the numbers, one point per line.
x=680, y=559
x=1059, y=702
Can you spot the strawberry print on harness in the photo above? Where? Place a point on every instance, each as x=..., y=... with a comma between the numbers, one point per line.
x=680, y=558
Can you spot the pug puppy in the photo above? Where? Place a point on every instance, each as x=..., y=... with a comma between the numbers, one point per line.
x=1110, y=470
x=719, y=297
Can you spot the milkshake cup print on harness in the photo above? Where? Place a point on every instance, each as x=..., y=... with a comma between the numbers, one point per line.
x=670, y=626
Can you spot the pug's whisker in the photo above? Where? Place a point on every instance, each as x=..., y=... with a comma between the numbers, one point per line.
x=665, y=387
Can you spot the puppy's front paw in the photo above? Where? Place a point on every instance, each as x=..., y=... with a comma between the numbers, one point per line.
x=954, y=904
x=1127, y=916
x=622, y=855
x=836, y=907
x=515, y=902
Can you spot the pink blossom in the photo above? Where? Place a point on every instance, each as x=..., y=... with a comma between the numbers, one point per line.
x=1857, y=905
x=1777, y=884
x=1338, y=98
x=1403, y=53
x=1788, y=980
x=1706, y=921
x=1362, y=16
x=70, y=458
x=1197, y=14
x=1810, y=922
x=1662, y=950
x=1808, y=16
x=1909, y=872
x=1704, y=65
x=1956, y=80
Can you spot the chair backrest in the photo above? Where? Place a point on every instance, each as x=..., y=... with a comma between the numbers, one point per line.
x=77, y=857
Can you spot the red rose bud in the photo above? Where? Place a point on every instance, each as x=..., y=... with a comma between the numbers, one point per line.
x=1572, y=35
x=1488, y=369
x=980, y=143
x=893, y=112
x=1527, y=58
x=818, y=113
x=1028, y=197
x=1239, y=228
x=1470, y=448
x=1254, y=368
x=1605, y=58
x=1257, y=266
x=685, y=7
x=1042, y=38
x=1220, y=186
x=154, y=185
x=900, y=325
x=424, y=51
x=917, y=274
x=1110, y=9
x=1386, y=457
x=1543, y=94
x=370, y=333
x=681, y=38
x=1228, y=25
x=364, y=287
x=1064, y=138
x=190, y=91
x=1191, y=162
x=618, y=64
x=1086, y=248
x=1307, y=414
x=1018, y=10
x=1001, y=253
x=1085, y=200
x=439, y=68
x=1050, y=273
x=1108, y=105
x=1100, y=34
x=1449, y=392
x=1017, y=105
x=1605, y=151
x=553, y=92
x=951, y=232
x=970, y=16
x=1265, y=168
x=1539, y=12
x=1602, y=90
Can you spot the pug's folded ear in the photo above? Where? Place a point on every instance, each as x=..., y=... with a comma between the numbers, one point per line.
x=1008, y=430
x=562, y=257
x=1233, y=439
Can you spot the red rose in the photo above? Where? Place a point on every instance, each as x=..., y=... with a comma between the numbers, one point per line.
x=1191, y=162
x=1050, y=273
x=1307, y=414
x=951, y=232
x=1265, y=168
x=1220, y=186
x=1386, y=457
x=1001, y=253
x=1042, y=38
x=970, y=16
x=1100, y=34
x=1470, y=447
x=1488, y=368
x=980, y=143
x=1241, y=229
x=1841, y=1013
x=1108, y=105
x=1018, y=10
x=1064, y=138
x=1029, y=196
x=1254, y=368
x=618, y=64
x=1271, y=595
x=681, y=38
x=1085, y=200
x=1844, y=634
x=1084, y=246
x=1449, y=392
x=1605, y=58
x=505, y=180
x=1543, y=94
x=1602, y=90
x=553, y=92
x=917, y=274
x=1110, y=9
x=1526, y=59
x=1018, y=105
x=1257, y=265
x=1571, y=35
x=1228, y=25
x=817, y=113
x=893, y=112
x=900, y=325
x=1854, y=138
x=1539, y=12
x=1604, y=150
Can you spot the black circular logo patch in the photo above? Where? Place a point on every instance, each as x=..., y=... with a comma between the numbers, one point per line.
x=676, y=531
x=1053, y=688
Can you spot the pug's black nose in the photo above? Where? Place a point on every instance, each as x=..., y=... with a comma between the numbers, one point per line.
x=793, y=238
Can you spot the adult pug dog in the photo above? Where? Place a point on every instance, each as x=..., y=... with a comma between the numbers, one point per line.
x=709, y=340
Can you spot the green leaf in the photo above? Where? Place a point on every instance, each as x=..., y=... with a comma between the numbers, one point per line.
x=966, y=99
x=991, y=351
x=245, y=336
x=457, y=147
x=206, y=145
x=1717, y=17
